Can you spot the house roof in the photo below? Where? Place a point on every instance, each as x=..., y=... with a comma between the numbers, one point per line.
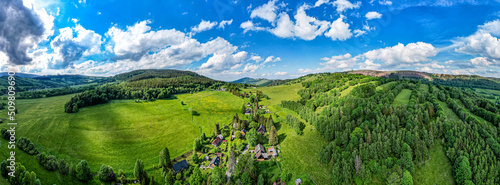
x=259, y=147
x=215, y=161
x=261, y=128
x=298, y=181
x=180, y=166
x=217, y=141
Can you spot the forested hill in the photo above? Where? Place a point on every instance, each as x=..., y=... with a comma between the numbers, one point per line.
x=470, y=81
x=26, y=82
x=155, y=73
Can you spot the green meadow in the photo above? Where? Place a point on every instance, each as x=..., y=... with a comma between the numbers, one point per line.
x=437, y=170
x=119, y=132
x=299, y=154
x=402, y=98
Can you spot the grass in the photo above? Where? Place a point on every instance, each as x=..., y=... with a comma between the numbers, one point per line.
x=299, y=154
x=424, y=88
x=437, y=170
x=450, y=114
x=402, y=98
x=488, y=91
x=384, y=86
x=126, y=130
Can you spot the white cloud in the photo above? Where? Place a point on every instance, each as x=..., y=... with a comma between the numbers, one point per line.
x=368, y=64
x=373, y=15
x=358, y=33
x=249, y=26
x=221, y=62
x=250, y=68
x=385, y=2
x=71, y=49
x=284, y=27
x=343, y=5
x=480, y=61
x=492, y=27
x=203, y=26
x=256, y=58
x=320, y=2
x=480, y=43
x=339, y=62
x=271, y=59
x=306, y=27
x=280, y=73
x=339, y=30
x=266, y=11
x=225, y=23
x=399, y=54
x=137, y=40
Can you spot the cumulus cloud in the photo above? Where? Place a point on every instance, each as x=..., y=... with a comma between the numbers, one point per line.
x=284, y=27
x=256, y=58
x=280, y=73
x=221, y=62
x=249, y=26
x=250, y=68
x=416, y=54
x=369, y=64
x=385, y=2
x=401, y=54
x=358, y=32
x=307, y=27
x=71, y=49
x=339, y=30
x=373, y=15
x=203, y=26
x=483, y=42
x=339, y=62
x=225, y=23
x=266, y=11
x=304, y=27
x=320, y=2
x=23, y=28
x=138, y=40
x=271, y=59
x=343, y=5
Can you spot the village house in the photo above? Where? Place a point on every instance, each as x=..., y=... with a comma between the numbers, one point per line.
x=218, y=141
x=249, y=104
x=261, y=129
x=298, y=181
x=215, y=161
x=178, y=167
x=243, y=132
x=248, y=111
x=272, y=152
x=260, y=153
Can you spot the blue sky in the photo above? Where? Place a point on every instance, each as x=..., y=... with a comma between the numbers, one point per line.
x=231, y=39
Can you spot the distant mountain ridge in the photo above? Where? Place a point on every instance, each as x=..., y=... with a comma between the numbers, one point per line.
x=253, y=81
x=418, y=75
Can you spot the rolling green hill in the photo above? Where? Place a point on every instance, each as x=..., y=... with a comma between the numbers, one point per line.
x=380, y=127
x=253, y=81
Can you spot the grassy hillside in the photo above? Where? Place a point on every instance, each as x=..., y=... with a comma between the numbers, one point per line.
x=122, y=131
x=299, y=153
x=437, y=170
x=402, y=98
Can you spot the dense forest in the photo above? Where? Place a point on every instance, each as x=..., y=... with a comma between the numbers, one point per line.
x=148, y=91
x=369, y=137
